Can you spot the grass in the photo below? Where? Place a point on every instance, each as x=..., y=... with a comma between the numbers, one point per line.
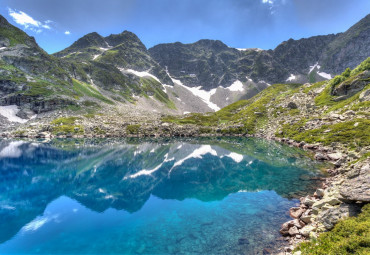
x=38, y=89
x=355, y=133
x=84, y=89
x=133, y=129
x=349, y=236
x=15, y=36
x=66, y=125
x=150, y=85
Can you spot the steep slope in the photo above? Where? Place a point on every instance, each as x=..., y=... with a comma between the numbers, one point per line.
x=348, y=49
x=34, y=82
x=124, y=51
x=210, y=64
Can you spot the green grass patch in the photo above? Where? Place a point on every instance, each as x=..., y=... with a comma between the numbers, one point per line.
x=133, y=129
x=84, y=89
x=355, y=133
x=349, y=236
x=40, y=88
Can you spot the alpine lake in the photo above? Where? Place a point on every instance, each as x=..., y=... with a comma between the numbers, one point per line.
x=149, y=196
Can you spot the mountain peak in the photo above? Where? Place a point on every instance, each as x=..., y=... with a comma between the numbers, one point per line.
x=125, y=37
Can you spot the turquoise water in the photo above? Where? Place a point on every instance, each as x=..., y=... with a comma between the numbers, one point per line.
x=183, y=196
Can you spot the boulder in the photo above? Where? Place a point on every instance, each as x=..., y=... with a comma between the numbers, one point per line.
x=356, y=187
x=293, y=231
x=306, y=230
x=331, y=216
x=320, y=156
x=365, y=96
x=295, y=212
x=292, y=105
x=335, y=156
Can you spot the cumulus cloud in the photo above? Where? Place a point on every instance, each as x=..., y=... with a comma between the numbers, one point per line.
x=28, y=22
x=267, y=1
x=67, y=32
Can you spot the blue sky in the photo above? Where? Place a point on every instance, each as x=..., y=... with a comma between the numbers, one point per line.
x=238, y=23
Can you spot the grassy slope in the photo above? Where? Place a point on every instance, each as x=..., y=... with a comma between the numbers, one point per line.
x=253, y=115
x=350, y=236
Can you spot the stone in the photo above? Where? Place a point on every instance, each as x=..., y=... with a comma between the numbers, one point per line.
x=292, y=105
x=320, y=156
x=364, y=96
x=331, y=216
x=295, y=212
x=306, y=230
x=356, y=186
x=335, y=156
x=293, y=231
x=319, y=193
x=307, y=201
x=329, y=200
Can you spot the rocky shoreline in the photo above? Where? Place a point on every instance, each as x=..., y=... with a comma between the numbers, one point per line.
x=340, y=195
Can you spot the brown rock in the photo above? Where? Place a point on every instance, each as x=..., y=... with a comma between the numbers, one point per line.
x=295, y=212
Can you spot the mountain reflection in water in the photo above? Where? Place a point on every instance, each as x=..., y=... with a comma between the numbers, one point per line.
x=135, y=181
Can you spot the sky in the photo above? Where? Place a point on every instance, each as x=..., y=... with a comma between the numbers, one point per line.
x=56, y=24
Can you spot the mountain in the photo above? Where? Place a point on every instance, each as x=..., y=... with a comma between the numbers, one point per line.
x=117, y=72
x=211, y=64
x=124, y=51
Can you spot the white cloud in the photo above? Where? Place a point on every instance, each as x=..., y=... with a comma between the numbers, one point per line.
x=268, y=1
x=67, y=32
x=28, y=22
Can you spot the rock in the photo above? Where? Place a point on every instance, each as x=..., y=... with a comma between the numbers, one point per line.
x=320, y=156
x=329, y=200
x=43, y=135
x=331, y=216
x=307, y=201
x=293, y=231
x=22, y=114
x=295, y=212
x=292, y=105
x=319, y=193
x=288, y=248
x=356, y=187
x=306, y=230
x=306, y=219
x=364, y=96
x=335, y=156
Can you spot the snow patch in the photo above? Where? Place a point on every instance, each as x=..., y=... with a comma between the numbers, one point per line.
x=186, y=112
x=149, y=172
x=197, y=153
x=142, y=74
x=10, y=112
x=236, y=157
x=291, y=77
x=325, y=75
x=236, y=86
x=202, y=94
x=35, y=224
x=2, y=48
x=313, y=67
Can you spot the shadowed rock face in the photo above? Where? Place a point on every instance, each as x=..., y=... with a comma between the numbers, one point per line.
x=210, y=63
x=121, y=175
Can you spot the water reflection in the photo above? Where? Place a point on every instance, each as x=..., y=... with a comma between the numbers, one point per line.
x=126, y=174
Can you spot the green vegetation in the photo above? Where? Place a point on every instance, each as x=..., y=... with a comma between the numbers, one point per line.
x=133, y=129
x=251, y=113
x=38, y=89
x=349, y=236
x=353, y=133
x=151, y=86
x=15, y=35
x=84, y=89
x=63, y=126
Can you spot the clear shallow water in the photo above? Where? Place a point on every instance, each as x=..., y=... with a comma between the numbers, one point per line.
x=204, y=196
